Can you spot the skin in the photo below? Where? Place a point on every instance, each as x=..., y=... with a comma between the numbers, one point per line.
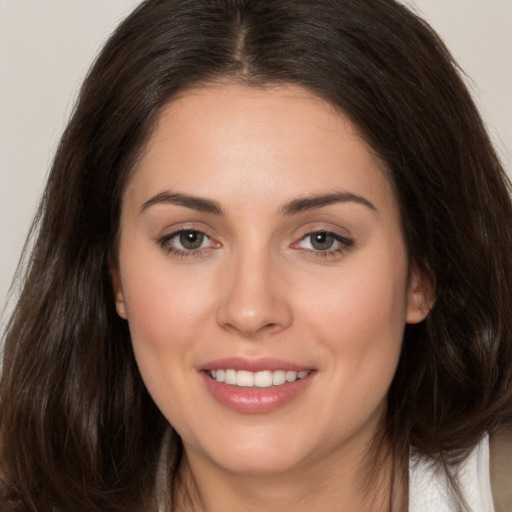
x=257, y=286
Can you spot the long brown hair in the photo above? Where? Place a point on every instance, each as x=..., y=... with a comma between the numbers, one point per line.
x=78, y=430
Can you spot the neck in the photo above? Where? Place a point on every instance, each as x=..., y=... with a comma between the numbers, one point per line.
x=340, y=481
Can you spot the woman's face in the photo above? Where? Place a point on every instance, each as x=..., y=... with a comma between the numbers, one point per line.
x=264, y=276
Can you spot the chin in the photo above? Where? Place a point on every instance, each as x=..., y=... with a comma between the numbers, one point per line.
x=255, y=452
x=251, y=464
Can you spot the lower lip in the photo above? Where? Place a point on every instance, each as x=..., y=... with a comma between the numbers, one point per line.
x=253, y=400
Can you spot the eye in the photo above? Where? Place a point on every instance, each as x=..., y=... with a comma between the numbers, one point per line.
x=324, y=243
x=321, y=241
x=190, y=240
x=186, y=242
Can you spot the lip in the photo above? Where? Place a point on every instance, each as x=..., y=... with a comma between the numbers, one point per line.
x=255, y=400
x=253, y=365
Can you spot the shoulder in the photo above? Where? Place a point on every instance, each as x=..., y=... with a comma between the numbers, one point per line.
x=500, y=455
x=430, y=487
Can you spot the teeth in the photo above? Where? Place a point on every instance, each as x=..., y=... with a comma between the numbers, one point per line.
x=245, y=379
x=291, y=376
x=278, y=377
x=263, y=379
x=230, y=377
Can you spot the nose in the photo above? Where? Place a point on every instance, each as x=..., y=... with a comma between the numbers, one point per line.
x=254, y=298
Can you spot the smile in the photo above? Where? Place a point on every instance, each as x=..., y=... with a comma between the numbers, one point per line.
x=256, y=385
x=260, y=379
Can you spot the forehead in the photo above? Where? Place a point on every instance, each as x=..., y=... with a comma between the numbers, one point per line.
x=273, y=141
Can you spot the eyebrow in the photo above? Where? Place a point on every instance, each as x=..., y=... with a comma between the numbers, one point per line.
x=195, y=203
x=319, y=201
x=294, y=207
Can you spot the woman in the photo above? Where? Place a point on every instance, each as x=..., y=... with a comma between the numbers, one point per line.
x=271, y=271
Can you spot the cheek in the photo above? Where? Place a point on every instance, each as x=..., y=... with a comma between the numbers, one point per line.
x=368, y=301
x=358, y=323
x=167, y=315
x=165, y=308
x=358, y=317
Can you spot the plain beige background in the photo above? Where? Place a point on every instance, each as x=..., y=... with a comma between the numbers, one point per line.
x=46, y=47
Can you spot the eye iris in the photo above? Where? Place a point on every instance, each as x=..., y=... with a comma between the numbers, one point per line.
x=191, y=239
x=322, y=241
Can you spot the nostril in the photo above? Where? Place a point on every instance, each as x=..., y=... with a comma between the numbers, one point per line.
x=251, y=302
x=254, y=323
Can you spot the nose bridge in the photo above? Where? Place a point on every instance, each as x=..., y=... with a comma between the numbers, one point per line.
x=252, y=300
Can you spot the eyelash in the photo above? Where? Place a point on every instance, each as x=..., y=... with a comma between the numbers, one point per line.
x=165, y=242
x=170, y=248
x=343, y=242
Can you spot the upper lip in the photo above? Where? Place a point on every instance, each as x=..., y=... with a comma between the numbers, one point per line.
x=253, y=365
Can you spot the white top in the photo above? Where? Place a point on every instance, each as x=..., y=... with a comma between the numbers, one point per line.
x=429, y=490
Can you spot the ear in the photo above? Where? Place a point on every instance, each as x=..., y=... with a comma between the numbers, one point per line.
x=118, y=292
x=420, y=296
